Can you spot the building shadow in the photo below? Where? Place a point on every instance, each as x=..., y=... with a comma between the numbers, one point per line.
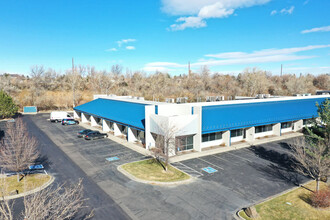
x=282, y=166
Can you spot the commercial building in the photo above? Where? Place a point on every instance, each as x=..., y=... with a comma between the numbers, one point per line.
x=195, y=126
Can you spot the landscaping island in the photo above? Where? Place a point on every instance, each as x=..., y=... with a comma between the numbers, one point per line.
x=10, y=186
x=153, y=171
x=292, y=205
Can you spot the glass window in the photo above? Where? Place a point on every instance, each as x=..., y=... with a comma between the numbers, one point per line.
x=218, y=135
x=286, y=125
x=205, y=137
x=236, y=133
x=263, y=128
x=185, y=143
x=211, y=136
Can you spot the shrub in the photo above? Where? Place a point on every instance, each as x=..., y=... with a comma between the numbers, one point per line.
x=321, y=199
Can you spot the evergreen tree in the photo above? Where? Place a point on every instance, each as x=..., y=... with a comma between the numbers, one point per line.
x=7, y=106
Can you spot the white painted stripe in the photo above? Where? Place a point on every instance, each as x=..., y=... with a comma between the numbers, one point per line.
x=211, y=163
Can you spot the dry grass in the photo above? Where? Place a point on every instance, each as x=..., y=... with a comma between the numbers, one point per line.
x=28, y=183
x=300, y=208
x=151, y=170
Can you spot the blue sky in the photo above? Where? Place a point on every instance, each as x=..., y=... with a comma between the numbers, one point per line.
x=226, y=35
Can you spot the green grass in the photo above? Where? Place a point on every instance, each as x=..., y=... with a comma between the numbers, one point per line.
x=152, y=170
x=29, y=182
x=278, y=209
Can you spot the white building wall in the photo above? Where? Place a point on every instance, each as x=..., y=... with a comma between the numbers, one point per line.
x=105, y=126
x=116, y=129
x=212, y=143
x=84, y=118
x=131, y=135
x=198, y=137
x=149, y=140
x=75, y=115
x=298, y=125
x=250, y=134
x=263, y=134
x=226, y=138
x=277, y=129
x=93, y=121
x=174, y=109
x=237, y=139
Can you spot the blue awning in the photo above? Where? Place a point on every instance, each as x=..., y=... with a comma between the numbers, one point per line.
x=234, y=116
x=126, y=113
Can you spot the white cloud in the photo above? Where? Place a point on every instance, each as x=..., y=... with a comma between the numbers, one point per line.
x=274, y=12
x=111, y=49
x=240, y=58
x=318, y=29
x=195, y=12
x=130, y=48
x=188, y=22
x=125, y=41
x=285, y=11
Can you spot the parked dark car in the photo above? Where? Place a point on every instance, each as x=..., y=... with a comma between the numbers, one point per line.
x=95, y=135
x=83, y=133
x=69, y=121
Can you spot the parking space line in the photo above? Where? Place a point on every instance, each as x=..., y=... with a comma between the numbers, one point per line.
x=211, y=163
x=239, y=157
x=189, y=168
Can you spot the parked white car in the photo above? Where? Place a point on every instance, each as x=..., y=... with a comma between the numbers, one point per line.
x=59, y=116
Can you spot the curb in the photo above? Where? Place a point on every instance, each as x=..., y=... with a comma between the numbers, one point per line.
x=269, y=198
x=31, y=191
x=132, y=177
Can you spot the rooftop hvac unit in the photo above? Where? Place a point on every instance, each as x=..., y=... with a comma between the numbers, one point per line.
x=169, y=100
x=266, y=96
x=219, y=98
x=260, y=96
x=210, y=98
x=181, y=99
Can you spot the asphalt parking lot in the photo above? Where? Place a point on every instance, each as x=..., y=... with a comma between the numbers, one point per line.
x=242, y=177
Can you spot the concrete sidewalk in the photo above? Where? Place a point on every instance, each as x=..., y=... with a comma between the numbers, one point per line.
x=192, y=155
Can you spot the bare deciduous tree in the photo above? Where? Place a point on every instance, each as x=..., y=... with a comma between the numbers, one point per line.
x=165, y=143
x=6, y=205
x=63, y=202
x=312, y=160
x=17, y=150
x=312, y=153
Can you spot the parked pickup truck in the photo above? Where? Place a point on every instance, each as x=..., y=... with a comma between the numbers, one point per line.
x=95, y=135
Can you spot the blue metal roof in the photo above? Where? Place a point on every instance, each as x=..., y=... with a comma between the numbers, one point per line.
x=126, y=113
x=233, y=116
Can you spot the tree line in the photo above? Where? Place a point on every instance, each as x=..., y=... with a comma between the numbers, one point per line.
x=51, y=89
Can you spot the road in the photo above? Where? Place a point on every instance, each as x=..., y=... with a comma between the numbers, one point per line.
x=66, y=171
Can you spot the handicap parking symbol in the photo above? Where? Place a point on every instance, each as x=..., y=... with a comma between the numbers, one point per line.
x=112, y=158
x=209, y=170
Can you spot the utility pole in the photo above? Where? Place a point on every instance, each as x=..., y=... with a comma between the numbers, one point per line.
x=189, y=71
x=281, y=69
x=73, y=84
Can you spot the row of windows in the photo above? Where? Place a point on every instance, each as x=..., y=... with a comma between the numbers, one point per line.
x=211, y=137
x=263, y=128
x=286, y=125
x=236, y=133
